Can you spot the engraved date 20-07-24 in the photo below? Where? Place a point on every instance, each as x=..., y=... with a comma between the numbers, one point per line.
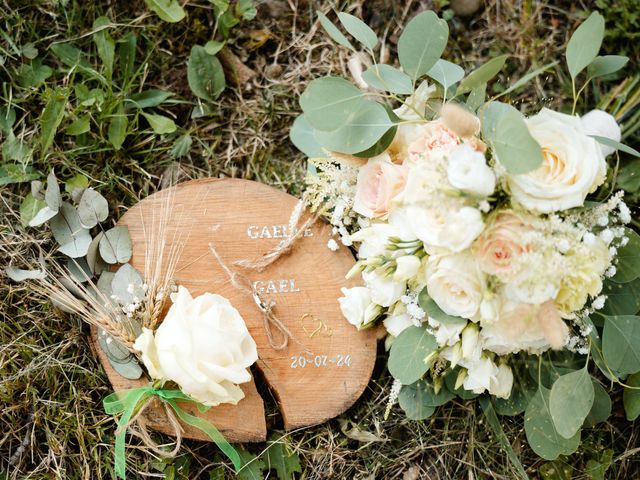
x=317, y=361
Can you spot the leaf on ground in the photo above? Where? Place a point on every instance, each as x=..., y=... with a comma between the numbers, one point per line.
x=279, y=458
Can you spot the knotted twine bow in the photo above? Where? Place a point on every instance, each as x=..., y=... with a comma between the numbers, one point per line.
x=126, y=402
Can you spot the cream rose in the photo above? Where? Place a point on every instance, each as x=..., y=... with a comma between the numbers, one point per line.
x=467, y=170
x=573, y=165
x=451, y=228
x=203, y=345
x=379, y=182
x=500, y=245
x=432, y=138
x=600, y=123
x=455, y=283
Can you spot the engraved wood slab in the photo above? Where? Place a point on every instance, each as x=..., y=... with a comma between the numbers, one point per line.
x=327, y=363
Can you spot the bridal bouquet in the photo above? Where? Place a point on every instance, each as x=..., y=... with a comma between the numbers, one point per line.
x=493, y=246
x=195, y=350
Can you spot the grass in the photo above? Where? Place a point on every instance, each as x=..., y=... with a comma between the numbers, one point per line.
x=51, y=386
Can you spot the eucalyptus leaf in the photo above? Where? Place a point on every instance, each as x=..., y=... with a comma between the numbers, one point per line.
x=79, y=270
x=408, y=358
x=617, y=145
x=422, y=43
x=601, y=408
x=570, y=401
x=148, y=98
x=43, y=215
x=540, y=431
x=628, y=259
x=380, y=146
x=118, y=128
x=622, y=298
x=52, y=193
x=20, y=275
x=94, y=261
x=363, y=128
x=482, y=74
x=389, y=79
x=51, y=117
x=104, y=284
x=629, y=177
x=514, y=146
x=205, y=74
x=93, y=208
x=584, y=44
x=68, y=231
x=621, y=343
x=415, y=403
x=302, y=137
x=126, y=285
x=121, y=359
x=30, y=207
x=168, y=10
x=359, y=30
x=446, y=73
x=631, y=397
x=522, y=392
x=333, y=31
x=160, y=124
x=329, y=102
x=526, y=78
x=115, y=246
x=606, y=65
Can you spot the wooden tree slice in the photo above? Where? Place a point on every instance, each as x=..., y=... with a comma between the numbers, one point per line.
x=327, y=363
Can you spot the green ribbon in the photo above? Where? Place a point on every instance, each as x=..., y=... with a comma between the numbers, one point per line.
x=126, y=402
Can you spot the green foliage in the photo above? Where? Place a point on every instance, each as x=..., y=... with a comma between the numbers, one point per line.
x=411, y=354
x=483, y=74
x=628, y=266
x=420, y=400
x=584, y=44
x=389, y=79
x=446, y=73
x=205, y=75
x=432, y=309
x=168, y=10
x=334, y=32
x=421, y=44
x=631, y=397
x=570, y=401
x=302, y=136
x=329, y=102
x=278, y=457
x=601, y=408
x=359, y=30
x=621, y=343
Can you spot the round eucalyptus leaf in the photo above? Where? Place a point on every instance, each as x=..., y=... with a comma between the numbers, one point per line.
x=122, y=361
x=388, y=79
x=329, y=102
x=422, y=43
x=631, y=397
x=94, y=261
x=482, y=74
x=52, y=193
x=521, y=393
x=79, y=270
x=333, y=32
x=415, y=402
x=92, y=208
x=570, y=401
x=363, y=128
x=43, y=215
x=540, y=431
x=115, y=246
x=358, y=29
x=446, y=73
x=408, y=356
x=302, y=137
x=628, y=259
x=380, y=146
x=601, y=408
x=621, y=343
x=68, y=231
x=126, y=285
x=622, y=298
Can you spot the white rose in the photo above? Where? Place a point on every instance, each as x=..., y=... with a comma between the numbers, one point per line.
x=203, y=345
x=406, y=268
x=480, y=375
x=396, y=324
x=573, y=165
x=502, y=383
x=467, y=170
x=385, y=291
x=533, y=289
x=442, y=227
x=600, y=123
x=354, y=304
x=455, y=283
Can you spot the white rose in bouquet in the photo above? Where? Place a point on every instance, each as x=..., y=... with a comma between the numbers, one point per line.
x=455, y=283
x=573, y=165
x=600, y=123
x=203, y=345
x=467, y=170
x=385, y=291
x=354, y=305
x=448, y=228
x=406, y=268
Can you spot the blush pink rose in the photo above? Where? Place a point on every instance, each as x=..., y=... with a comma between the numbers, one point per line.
x=433, y=137
x=379, y=182
x=503, y=241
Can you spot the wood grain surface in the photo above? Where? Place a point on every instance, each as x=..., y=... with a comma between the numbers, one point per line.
x=327, y=363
